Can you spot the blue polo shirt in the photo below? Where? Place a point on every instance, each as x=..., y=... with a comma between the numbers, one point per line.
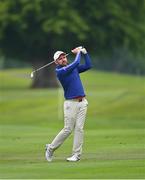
x=69, y=76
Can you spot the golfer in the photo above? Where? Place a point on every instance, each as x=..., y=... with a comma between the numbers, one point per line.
x=75, y=104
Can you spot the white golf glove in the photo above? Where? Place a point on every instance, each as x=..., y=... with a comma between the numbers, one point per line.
x=76, y=50
x=79, y=48
x=84, y=51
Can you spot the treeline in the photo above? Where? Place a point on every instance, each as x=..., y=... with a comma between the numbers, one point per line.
x=112, y=30
x=121, y=60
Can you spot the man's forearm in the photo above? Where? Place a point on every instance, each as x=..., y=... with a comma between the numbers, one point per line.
x=87, y=58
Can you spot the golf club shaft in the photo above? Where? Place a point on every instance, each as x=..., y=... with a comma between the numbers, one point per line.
x=47, y=65
x=44, y=66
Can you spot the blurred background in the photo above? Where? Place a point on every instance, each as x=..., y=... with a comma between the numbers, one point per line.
x=31, y=110
x=112, y=31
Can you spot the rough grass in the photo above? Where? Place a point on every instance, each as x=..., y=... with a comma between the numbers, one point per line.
x=114, y=130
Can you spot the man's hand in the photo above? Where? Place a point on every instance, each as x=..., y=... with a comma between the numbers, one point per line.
x=84, y=51
x=76, y=50
x=79, y=49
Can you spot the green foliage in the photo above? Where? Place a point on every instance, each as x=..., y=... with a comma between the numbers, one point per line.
x=31, y=29
x=115, y=24
x=121, y=60
x=114, y=130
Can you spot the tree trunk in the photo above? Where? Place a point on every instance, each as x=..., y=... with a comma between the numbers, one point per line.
x=45, y=77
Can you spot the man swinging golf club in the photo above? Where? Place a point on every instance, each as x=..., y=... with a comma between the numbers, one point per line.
x=75, y=105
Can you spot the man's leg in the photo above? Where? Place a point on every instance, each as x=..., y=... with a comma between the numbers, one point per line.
x=78, y=132
x=69, y=121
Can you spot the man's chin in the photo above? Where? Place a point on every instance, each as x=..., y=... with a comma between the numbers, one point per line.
x=64, y=64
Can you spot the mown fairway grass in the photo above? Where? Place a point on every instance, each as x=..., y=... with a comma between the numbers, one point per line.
x=114, y=145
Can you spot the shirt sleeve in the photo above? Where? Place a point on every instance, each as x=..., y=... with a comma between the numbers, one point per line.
x=70, y=67
x=87, y=65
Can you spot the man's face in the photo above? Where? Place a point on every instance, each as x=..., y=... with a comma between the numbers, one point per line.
x=62, y=60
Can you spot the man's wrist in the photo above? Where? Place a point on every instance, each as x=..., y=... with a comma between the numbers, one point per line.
x=84, y=51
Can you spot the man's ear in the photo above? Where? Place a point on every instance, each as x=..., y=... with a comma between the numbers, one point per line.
x=56, y=62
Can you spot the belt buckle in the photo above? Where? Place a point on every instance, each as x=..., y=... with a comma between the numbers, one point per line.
x=80, y=99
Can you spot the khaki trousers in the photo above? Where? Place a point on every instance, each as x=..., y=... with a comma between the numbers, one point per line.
x=74, y=119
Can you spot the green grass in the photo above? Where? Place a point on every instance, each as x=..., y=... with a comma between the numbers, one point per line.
x=114, y=145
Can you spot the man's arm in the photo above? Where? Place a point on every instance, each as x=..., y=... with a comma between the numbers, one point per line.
x=87, y=65
x=70, y=67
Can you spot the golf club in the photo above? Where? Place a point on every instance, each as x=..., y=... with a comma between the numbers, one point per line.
x=32, y=73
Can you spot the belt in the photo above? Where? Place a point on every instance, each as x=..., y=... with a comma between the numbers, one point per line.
x=79, y=99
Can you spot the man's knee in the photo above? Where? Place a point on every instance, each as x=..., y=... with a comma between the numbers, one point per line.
x=67, y=130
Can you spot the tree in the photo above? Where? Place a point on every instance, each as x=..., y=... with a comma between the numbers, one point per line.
x=33, y=30
x=114, y=23
x=116, y=27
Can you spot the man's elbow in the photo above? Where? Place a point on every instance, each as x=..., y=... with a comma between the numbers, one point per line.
x=89, y=66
